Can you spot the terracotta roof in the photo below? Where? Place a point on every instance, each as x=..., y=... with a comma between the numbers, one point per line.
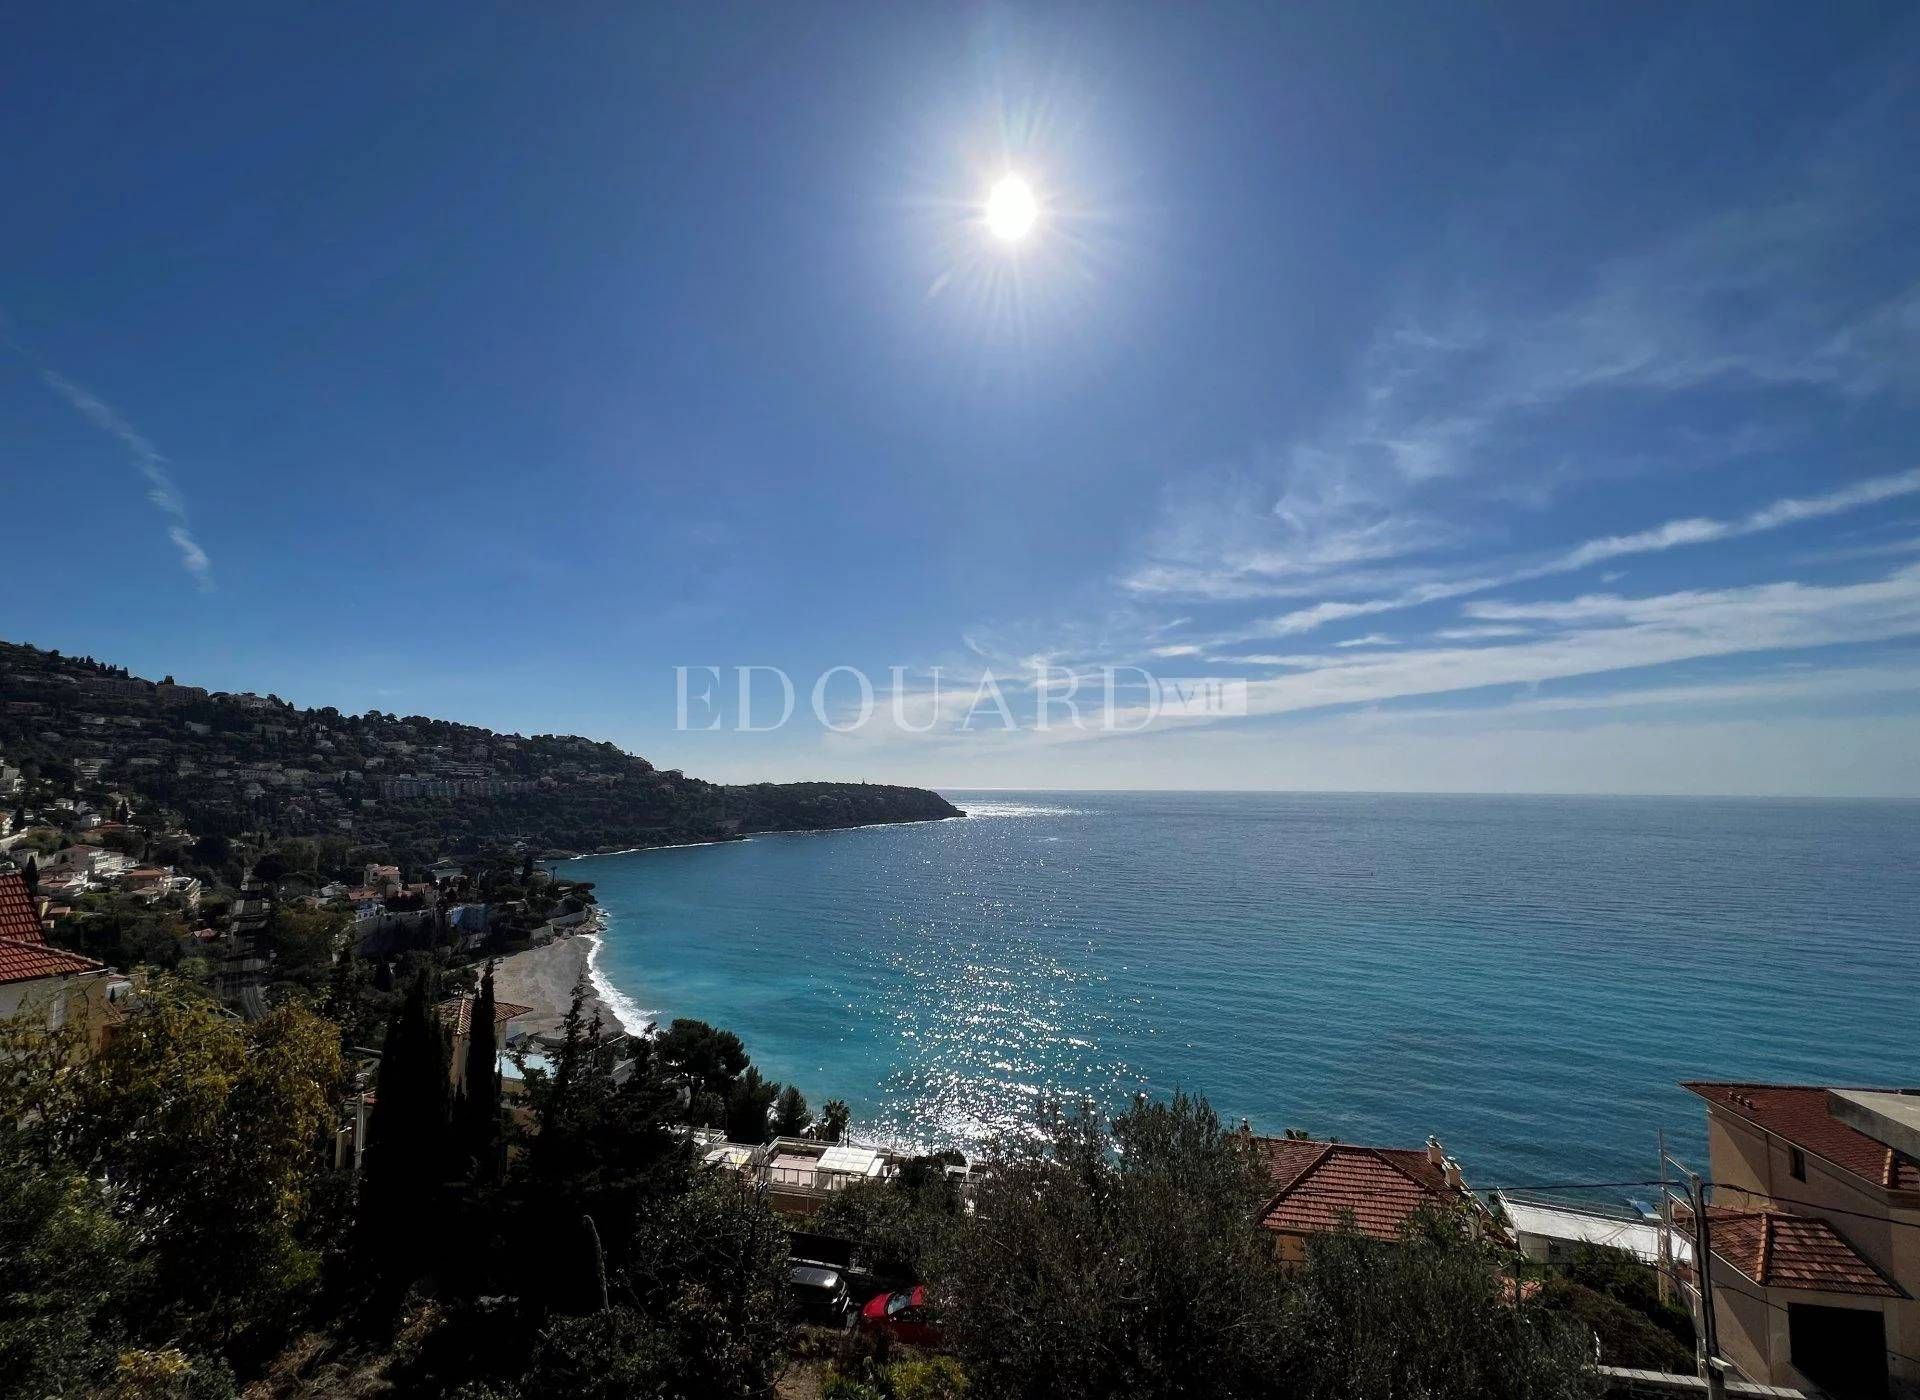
x=457, y=1012
x=1798, y=1113
x=1317, y=1183
x=1777, y=1250
x=21, y=961
x=17, y=918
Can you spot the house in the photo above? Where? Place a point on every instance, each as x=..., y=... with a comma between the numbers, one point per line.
x=146, y=882
x=1320, y=1185
x=1815, y=1234
x=456, y=1014
x=49, y=984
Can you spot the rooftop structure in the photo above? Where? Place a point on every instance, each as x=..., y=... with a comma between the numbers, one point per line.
x=1554, y=1230
x=1803, y=1116
x=1320, y=1186
x=18, y=919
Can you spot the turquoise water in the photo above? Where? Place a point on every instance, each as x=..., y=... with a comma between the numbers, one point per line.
x=1527, y=977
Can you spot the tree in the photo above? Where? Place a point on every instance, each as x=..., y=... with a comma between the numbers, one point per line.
x=711, y=1058
x=604, y=1149
x=1118, y=1261
x=834, y=1116
x=31, y=874
x=701, y=1313
x=477, y=1115
x=790, y=1115
x=305, y=940
x=72, y=1274
x=207, y=1128
x=407, y=1153
x=748, y=1104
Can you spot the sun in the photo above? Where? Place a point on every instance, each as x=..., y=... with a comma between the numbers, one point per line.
x=1012, y=210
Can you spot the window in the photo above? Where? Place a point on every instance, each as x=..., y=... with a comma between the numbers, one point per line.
x=1797, y=1163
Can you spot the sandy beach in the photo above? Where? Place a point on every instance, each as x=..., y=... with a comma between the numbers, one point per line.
x=544, y=978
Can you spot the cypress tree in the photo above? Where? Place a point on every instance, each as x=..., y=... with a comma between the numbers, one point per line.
x=31, y=874
x=407, y=1144
x=479, y=1108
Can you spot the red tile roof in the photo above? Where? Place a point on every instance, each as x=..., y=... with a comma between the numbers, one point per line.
x=457, y=1013
x=1778, y=1250
x=1798, y=1113
x=21, y=961
x=1318, y=1183
x=17, y=918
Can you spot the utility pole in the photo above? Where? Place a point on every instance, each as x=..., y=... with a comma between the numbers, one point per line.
x=1713, y=1370
x=1666, y=1223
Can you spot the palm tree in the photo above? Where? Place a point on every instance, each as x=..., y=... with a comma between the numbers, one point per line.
x=833, y=1120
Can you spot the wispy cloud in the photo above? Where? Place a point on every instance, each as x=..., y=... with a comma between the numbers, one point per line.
x=161, y=490
x=1790, y=511
x=1482, y=387
x=1603, y=633
x=1279, y=530
x=1673, y=534
x=1792, y=687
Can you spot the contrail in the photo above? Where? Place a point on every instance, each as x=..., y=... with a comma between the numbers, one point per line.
x=161, y=490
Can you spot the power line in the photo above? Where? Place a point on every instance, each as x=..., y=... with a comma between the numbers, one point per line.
x=1686, y=1280
x=1569, y=1185
x=1782, y=1307
x=1819, y=1206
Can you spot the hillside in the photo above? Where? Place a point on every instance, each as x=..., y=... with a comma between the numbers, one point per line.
x=418, y=787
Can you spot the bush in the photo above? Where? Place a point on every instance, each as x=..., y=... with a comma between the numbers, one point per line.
x=936, y=1378
x=1117, y=1261
x=1429, y=1315
x=896, y=1228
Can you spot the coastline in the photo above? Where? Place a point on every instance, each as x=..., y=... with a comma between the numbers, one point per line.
x=542, y=979
x=744, y=836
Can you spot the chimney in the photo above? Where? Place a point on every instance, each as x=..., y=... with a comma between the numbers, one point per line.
x=1455, y=1181
x=1434, y=1155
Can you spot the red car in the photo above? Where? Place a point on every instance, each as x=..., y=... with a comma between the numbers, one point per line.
x=906, y=1317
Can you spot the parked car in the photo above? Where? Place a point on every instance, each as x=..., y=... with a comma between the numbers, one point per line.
x=906, y=1317
x=818, y=1293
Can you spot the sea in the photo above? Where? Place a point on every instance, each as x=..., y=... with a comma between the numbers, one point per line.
x=1526, y=978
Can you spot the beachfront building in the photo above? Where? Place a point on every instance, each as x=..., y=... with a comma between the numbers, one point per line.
x=799, y=1174
x=1815, y=1226
x=1552, y=1232
x=1320, y=1185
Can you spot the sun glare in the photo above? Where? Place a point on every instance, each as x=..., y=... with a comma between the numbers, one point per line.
x=1012, y=210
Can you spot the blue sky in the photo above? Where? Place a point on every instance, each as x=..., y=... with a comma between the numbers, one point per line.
x=1515, y=401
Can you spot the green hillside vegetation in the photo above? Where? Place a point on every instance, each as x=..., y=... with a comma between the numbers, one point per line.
x=413, y=786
